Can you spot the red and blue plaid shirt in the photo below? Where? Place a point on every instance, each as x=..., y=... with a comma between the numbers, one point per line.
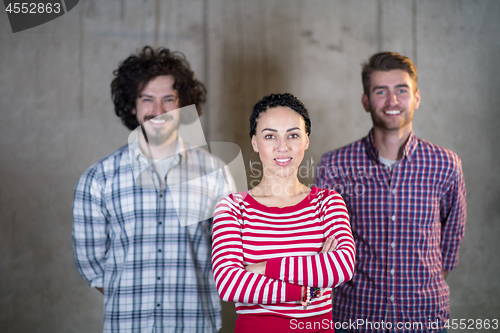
x=407, y=225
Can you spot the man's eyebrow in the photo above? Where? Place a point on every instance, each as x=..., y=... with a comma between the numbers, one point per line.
x=396, y=86
x=151, y=96
x=379, y=87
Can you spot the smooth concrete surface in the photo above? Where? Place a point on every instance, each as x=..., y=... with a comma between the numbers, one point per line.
x=58, y=119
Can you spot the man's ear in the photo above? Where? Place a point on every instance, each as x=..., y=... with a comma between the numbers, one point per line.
x=417, y=99
x=254, y=144
x=133, y=111
x=366, y=102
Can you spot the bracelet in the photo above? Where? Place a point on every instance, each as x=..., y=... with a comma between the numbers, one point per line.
x=310, y=294
x=306, y=299
x=315, y=292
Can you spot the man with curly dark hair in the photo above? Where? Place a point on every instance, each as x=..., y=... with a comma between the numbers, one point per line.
x=142, y=216
x=133, y=75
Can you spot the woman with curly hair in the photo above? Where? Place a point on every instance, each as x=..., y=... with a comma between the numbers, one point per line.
x=280, y=248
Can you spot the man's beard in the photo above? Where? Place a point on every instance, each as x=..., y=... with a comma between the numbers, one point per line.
x=403, y=120
x=156, y=135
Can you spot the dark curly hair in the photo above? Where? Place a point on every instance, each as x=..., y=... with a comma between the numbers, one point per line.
x=275, y=100
x=134, y=73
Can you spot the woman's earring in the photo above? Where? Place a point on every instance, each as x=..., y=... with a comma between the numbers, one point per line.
x=250, y=163
x=312, y=162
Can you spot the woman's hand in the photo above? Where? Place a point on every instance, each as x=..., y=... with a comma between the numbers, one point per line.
x=259, y=268
x=330, y=245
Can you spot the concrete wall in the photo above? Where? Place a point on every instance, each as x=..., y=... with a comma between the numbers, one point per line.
x=57, y=117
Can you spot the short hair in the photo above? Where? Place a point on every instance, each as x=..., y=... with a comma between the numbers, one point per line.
x=275, y=100
x=386, y=61
x=134, y=73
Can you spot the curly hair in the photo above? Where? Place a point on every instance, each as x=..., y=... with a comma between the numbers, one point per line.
x=134, y=73
x=386, y=61
x=275, y=100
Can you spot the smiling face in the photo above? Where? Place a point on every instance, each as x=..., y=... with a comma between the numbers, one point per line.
x=157, y=108
x=281, y=140
x=392, y=100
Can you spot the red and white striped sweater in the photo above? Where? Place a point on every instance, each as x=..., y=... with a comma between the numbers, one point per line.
x=289, y=238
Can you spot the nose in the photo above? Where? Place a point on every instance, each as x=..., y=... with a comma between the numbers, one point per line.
x=393, y=99
x=282, y=145
x=158, y=109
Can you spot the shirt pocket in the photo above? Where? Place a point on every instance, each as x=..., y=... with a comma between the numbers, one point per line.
x=194, y=200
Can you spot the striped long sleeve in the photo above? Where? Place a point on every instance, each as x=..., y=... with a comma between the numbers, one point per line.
x=289, y=239
x=233, y=282
x=328, y=269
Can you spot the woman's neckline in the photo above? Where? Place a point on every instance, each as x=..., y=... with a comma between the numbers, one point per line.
x=300, y=204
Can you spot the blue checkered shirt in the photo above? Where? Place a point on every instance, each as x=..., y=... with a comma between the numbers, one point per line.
x=130, y=240
x=407, y=226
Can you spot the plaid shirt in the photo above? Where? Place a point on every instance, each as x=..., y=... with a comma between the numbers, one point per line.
x=134, y=241
x=407, y=226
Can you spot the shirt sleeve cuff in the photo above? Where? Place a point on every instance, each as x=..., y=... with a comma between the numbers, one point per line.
x=448, y=267
x=293, y=293
x=97, y=282
x=449, y=262
x=273, y=267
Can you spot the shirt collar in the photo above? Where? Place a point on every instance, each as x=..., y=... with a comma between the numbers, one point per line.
x=408, y=150
x=181, y=150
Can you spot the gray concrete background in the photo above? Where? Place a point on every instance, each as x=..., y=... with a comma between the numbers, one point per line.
x=57, y=117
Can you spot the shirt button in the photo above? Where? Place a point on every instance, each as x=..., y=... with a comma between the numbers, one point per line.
x=391, y=298
x=158, y=305
x=158, y=278
x=392, y=271
x=159, y=250
x=393, y=245
x=161, y=195
x=160, y=222
x=393, y=217
x=393, y=192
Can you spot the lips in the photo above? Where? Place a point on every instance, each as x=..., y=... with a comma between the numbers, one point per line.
x=283, y=161
x=159, y=120
x=392, y=112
